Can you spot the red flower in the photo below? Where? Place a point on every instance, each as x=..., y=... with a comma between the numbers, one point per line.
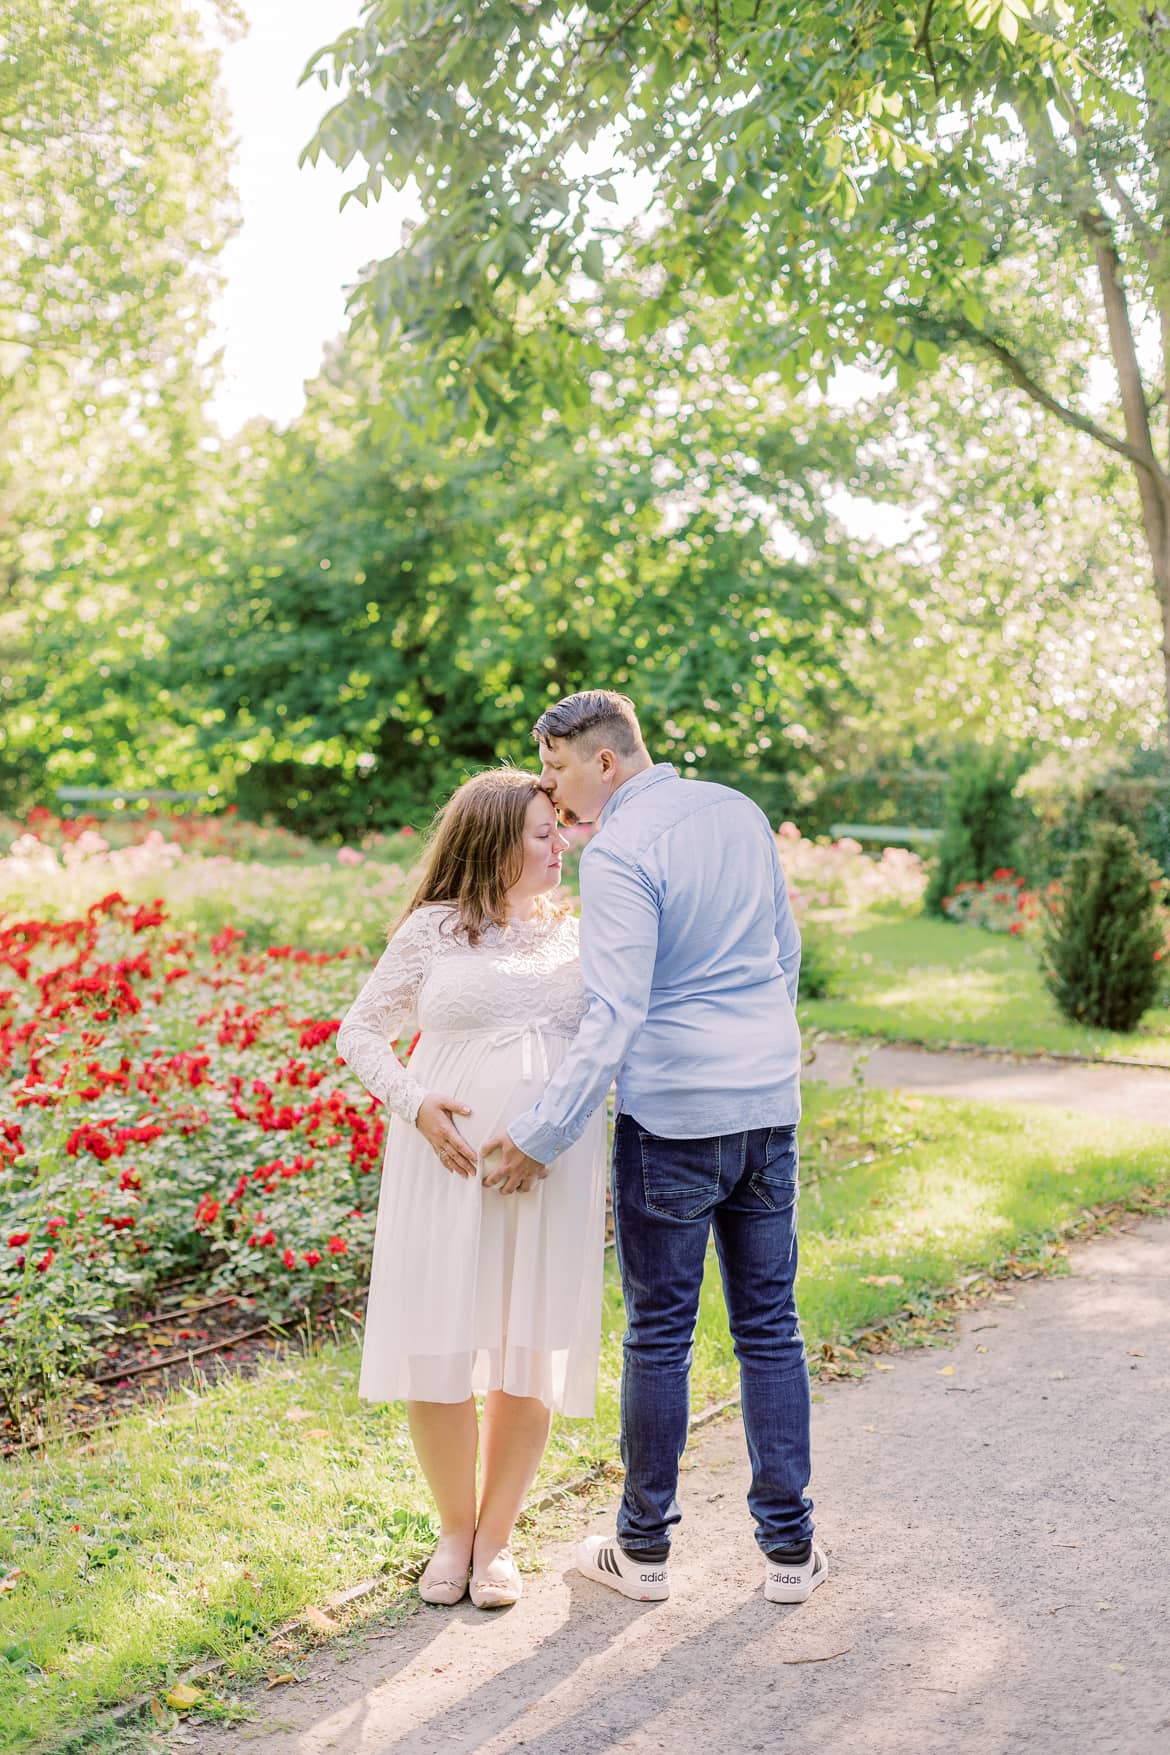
x=207, y=1211
x=289, y=1259
x=337, y=1246
x=45, y=1260
x=18, y=1238
x=312, y=1257
x=53, y=1225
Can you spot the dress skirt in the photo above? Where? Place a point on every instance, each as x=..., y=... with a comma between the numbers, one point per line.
x=470, y=1289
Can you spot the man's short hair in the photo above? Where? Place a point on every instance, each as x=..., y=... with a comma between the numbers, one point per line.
x=599, y=716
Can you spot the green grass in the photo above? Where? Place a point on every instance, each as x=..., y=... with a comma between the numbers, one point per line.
x=920, y=980
x=196, y=1526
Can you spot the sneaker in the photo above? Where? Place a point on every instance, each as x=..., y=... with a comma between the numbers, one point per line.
x=786, y=1583
x=600, y=1558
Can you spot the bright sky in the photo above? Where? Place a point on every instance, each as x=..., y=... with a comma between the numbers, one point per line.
x=295, y=255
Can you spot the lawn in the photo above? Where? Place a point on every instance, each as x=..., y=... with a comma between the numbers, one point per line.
x=197, y=1525
x=911, y=979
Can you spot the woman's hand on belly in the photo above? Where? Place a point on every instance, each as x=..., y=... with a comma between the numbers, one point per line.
x=435, y=1121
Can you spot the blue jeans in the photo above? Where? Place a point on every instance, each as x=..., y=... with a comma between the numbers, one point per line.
x=667, y=1195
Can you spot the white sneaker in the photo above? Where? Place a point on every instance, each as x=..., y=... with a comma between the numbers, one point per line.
x=786, y=1583
x=600, y=1558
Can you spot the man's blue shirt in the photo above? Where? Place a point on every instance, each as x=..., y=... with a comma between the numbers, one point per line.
x=690, y=957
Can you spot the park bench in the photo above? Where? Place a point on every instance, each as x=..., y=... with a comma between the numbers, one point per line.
x=885, y=834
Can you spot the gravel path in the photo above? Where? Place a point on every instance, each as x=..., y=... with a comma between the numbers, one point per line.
x=1135, y=1093
x=995, y=1512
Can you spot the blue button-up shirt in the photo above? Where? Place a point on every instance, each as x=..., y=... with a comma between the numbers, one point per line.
x=690, y=956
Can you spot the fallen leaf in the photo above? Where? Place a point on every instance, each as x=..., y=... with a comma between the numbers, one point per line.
x=1120, y=1668
x=981, y=1349
x=881, y=1279
x=1104, y=1605
x=869, y=1428
x=1135, y=1353
x=158, y=1711
x=946, y=1371
x=183, y=1696
x=880, y=1365
x=11, y=1581
x=320, y=1620
x=277, y=1681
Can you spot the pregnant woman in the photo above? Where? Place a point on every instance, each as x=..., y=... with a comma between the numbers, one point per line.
x=472, y=1291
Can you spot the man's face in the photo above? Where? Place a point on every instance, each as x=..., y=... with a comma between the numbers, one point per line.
x=578, y=783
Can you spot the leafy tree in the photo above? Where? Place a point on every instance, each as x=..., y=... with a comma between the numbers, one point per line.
x=385, y=612
x=115, y=201
x=1018, y=605
x=892, y=186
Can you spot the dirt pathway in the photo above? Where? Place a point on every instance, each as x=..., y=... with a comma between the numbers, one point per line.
x=996, y=1514
x=1135, y=1093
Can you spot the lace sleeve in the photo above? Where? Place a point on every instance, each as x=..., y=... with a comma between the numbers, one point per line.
x=388, y=1001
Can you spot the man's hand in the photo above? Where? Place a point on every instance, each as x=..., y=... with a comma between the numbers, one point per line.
x=513, y=1171
x=436, y=1124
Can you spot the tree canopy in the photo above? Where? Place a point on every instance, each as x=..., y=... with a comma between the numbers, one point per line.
x=889, y=186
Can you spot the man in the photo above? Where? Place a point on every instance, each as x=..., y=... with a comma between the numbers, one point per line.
x=690, y=957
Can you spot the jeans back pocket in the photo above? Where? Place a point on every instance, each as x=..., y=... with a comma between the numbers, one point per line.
x=776, y=1180
x=680, y=1178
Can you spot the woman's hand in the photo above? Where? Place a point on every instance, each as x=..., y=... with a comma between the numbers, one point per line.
x=434, y=1121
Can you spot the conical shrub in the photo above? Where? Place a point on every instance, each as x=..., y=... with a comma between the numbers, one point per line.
x=1105, y=933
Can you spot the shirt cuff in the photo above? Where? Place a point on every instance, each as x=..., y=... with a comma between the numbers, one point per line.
x=536, y=1138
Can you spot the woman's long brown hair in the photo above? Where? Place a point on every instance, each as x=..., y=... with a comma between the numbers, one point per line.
x=475, y=852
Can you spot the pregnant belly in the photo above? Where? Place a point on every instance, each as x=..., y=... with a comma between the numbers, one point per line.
x=498, y=1075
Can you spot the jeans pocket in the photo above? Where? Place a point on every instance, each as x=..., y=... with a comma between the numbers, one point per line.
x=680, y=1178
x=777, y=1180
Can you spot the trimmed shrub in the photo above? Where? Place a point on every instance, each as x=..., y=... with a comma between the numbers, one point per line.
x=981, y=824
x=1104, y=936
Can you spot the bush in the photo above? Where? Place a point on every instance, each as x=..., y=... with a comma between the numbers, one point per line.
x=1070, y=797
x=981, y=824
x=1105, y=936
x=1004, y=903
x=819, y=963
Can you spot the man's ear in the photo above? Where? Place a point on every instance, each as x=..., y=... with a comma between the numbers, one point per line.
x=608, y=762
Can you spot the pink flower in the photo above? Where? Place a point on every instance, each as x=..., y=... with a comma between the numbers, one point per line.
x=349, y=856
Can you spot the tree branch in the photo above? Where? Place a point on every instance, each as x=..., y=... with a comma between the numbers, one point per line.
x=960, y=329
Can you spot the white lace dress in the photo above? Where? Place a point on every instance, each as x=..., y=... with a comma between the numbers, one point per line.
x=471, y=1289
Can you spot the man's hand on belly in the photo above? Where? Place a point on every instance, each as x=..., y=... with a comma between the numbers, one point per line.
x=513, y=1171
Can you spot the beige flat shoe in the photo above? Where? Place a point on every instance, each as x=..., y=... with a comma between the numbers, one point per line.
x=442, y=1590
x=503, y=1589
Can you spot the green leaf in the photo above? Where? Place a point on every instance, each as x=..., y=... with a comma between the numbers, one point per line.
x=593, y=260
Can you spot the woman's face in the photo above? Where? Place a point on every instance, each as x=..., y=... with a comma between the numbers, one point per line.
x=543, y=845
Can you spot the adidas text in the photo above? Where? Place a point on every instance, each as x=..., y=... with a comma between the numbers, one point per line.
x=652, y=1578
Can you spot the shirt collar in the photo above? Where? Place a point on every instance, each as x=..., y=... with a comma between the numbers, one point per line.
x=630, y=788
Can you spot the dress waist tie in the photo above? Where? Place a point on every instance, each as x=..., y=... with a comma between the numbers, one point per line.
x=531, y=1038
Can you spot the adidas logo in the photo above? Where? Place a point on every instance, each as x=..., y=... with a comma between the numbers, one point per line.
x=652, y=1577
